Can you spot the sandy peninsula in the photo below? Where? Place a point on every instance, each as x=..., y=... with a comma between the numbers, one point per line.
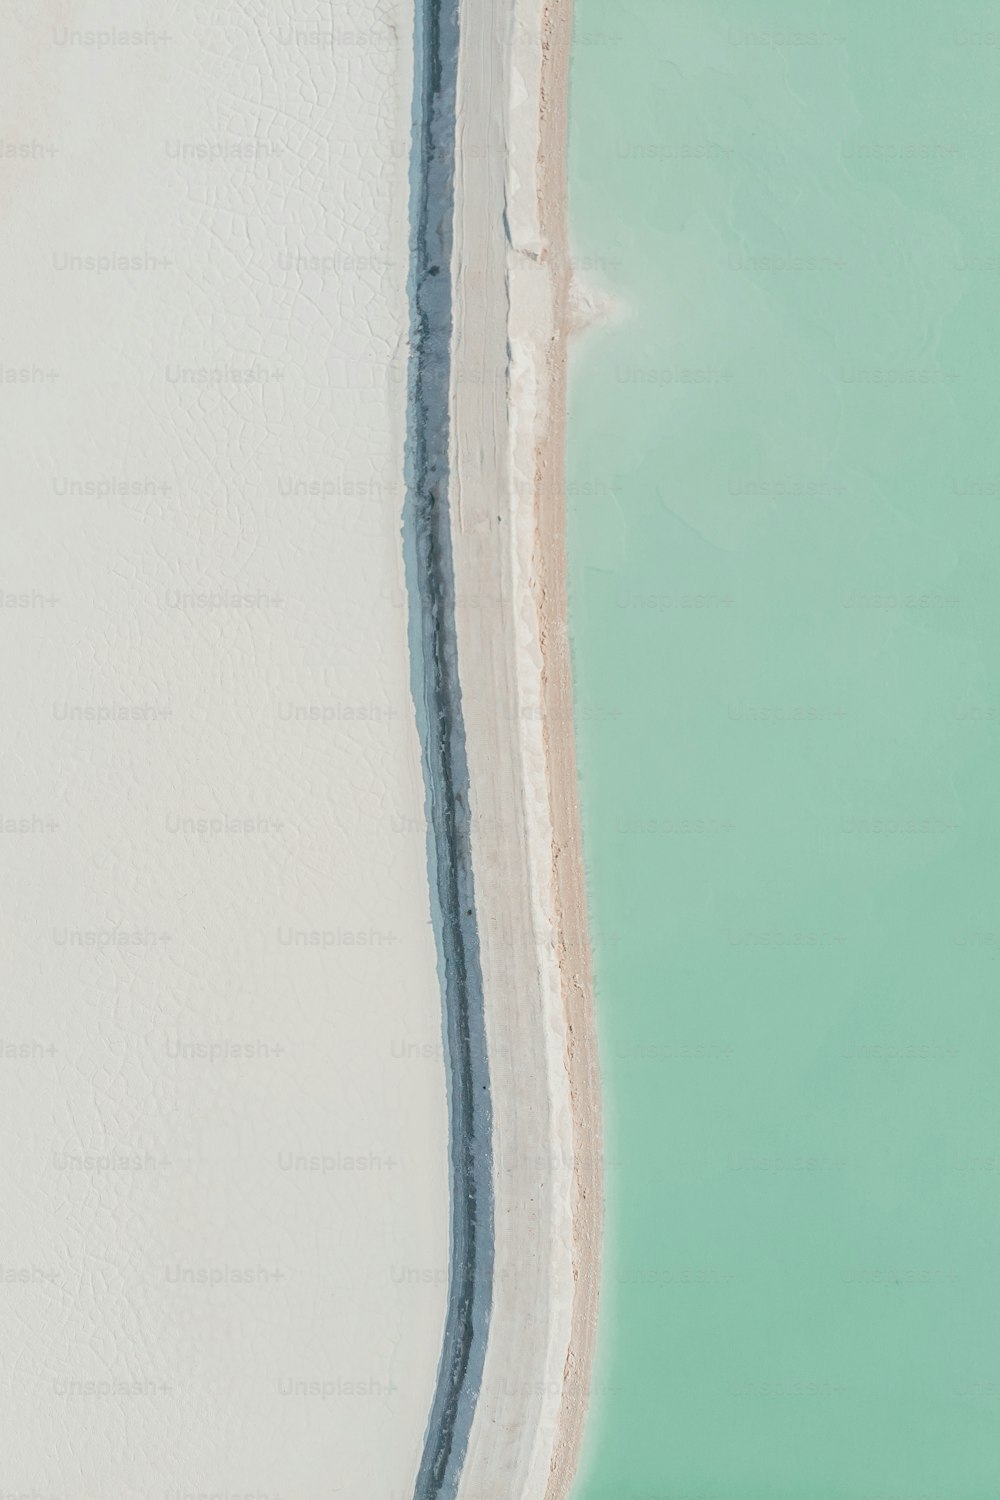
x=512, y=286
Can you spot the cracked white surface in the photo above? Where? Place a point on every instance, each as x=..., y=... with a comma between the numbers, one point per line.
x=207, y=694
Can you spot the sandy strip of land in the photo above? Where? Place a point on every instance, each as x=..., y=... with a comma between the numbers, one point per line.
x=512, y=289
x=582, y=1061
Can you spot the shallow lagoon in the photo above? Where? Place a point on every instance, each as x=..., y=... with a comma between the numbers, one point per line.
x=784, y=472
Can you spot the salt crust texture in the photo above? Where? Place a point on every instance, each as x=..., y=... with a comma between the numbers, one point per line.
x=225, y=1171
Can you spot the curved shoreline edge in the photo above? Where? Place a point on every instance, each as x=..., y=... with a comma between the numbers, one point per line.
x=569, y=872
x=512, y=280
x=487, y=583
x=437, y=698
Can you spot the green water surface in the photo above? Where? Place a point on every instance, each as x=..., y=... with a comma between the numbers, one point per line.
x=784, y=519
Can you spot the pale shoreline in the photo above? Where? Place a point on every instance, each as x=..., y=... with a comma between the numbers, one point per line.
x=511, y=275
x=569, y=876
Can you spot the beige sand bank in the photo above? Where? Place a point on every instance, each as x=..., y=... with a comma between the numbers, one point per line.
x=224, y=1172
x=508, y=532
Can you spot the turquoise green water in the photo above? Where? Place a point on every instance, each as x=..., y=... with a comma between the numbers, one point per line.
x=784, y=492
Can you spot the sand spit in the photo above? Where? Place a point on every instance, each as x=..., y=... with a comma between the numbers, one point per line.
x=511, y=279
x=582, y=1060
